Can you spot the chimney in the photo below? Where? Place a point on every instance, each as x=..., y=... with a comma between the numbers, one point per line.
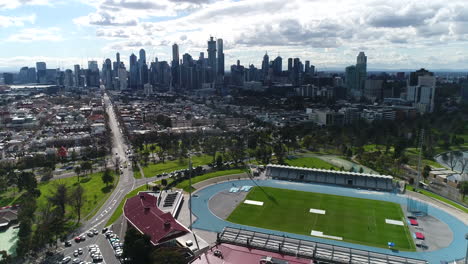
x=167, y=224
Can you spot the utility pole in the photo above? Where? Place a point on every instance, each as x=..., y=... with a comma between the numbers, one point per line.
x=190, y=192
x=421, y=142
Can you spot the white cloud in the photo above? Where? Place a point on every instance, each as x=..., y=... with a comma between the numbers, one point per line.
x=17, y=21
x=325, y=32
x=11, y=4
x=36, y=34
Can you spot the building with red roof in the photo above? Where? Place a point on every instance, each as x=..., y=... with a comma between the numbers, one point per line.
x=142, y=212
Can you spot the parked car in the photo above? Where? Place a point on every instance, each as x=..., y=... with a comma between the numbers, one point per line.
x=66, y=259
x=68, y=244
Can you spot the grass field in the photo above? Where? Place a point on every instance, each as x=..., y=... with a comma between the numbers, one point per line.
x=173, y=165
x=309, y=162
x=185, y=183
x=360, y=221
x=440, y=198
x=96, y=193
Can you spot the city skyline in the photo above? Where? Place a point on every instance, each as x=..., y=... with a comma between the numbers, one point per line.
x=397, y=35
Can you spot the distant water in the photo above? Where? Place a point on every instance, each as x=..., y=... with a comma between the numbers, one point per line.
x=457, y=168
x=8, y=240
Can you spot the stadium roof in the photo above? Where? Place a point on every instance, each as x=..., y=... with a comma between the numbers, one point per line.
x=232, y=254
x=143, y=214
x=330, y=171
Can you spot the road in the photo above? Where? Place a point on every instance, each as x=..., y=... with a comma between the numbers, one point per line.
x=126, y=183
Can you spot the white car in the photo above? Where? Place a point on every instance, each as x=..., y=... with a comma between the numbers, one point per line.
x=66, y=259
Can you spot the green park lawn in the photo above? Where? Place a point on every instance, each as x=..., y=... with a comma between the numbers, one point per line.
x=309, y=162
x=185, y=183
x=173, y=165
x=96, y=192
x=360, y=221
x=440, y=198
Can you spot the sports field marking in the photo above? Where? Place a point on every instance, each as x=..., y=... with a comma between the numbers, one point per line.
x=317, y=211
x=253, y=202
x=320, y=234
x=394, y=222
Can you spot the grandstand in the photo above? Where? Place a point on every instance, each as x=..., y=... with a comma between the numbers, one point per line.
x=344, y=178
x=321, y=252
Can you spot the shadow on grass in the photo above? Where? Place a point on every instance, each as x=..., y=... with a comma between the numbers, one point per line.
x=107, y=189
x=270, y=197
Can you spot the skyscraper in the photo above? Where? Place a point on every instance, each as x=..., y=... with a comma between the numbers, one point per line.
x=290, y=64
x=277, y=66
x=92, y=74
x=361, y=70
x=212, y=59
x=220, y=57
x=265, y=66
x=423, y=93
x=117, y=64
x=23, y=75
x=41, y=68
x=107, y=74
x=142, y=59
x=175, y=67
x=32, y=76
x=307, y=67
x=76, y=76
x=133, y=72
x=351, y=78
x=68, y=78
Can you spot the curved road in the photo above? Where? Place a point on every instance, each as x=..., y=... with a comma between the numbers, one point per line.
x=126, y=183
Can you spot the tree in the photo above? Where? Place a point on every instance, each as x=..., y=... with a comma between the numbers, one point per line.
x=426, y=171
x=219, y=161
x=87, y=167
x=164, y=182
x=77, y=199
x=137, y=247
x=463, y=164
x=27, y=181
x=463, y=189
x=78, y=172
x=453, y=158
x=168, y=256
x=59, y=198
x=26, y=219
x=107, y=177
x=361, y=170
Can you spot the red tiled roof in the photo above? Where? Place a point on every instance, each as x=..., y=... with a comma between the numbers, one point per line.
x=96, y=117
x=143, y=214
x=232, y=254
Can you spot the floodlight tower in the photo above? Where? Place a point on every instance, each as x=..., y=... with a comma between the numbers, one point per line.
x=421, y=142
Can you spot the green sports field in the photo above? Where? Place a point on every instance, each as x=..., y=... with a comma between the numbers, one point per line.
x=360, y=221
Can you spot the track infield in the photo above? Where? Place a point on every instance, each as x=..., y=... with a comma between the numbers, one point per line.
x=356, y=220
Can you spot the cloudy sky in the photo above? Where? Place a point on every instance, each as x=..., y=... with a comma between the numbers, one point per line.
x=396, y=34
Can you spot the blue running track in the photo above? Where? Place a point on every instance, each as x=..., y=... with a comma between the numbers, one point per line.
x=206, y=220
